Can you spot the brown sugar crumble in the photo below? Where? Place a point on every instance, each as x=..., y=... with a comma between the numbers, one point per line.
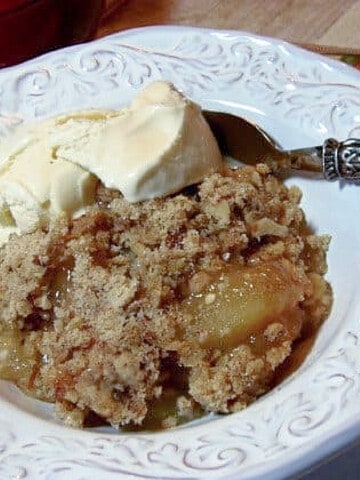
x=178, y=305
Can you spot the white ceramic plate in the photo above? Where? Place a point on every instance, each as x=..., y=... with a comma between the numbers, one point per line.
x=301, y=99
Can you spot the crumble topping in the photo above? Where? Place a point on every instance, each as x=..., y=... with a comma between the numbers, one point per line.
x=102, y=315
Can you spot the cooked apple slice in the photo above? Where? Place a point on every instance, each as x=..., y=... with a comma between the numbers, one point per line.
x=15, y=359
x=240, y=302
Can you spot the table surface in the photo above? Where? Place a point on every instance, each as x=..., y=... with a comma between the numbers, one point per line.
x=328, y=23
x=327, y=26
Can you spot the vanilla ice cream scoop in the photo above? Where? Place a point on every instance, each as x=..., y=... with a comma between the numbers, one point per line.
x=36, y=185
x=157, y=146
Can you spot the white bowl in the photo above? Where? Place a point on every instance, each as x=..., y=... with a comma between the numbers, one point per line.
x=300, y=99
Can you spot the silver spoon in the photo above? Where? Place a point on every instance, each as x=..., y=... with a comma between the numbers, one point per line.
x=246, y=141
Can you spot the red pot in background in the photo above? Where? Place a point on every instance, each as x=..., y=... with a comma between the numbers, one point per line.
x=31, y=27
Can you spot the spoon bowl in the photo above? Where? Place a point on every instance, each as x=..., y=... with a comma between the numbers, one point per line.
x=248, y=142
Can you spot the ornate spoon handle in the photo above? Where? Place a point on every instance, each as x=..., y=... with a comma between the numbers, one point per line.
x=341, y=159
x=334, y=159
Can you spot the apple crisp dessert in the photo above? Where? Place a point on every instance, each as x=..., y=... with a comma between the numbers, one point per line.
x=166, y=308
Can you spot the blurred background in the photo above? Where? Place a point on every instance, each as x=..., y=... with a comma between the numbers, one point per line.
x=31, y=27
x=326, y=26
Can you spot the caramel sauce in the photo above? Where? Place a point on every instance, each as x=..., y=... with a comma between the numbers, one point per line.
x=301, y=349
